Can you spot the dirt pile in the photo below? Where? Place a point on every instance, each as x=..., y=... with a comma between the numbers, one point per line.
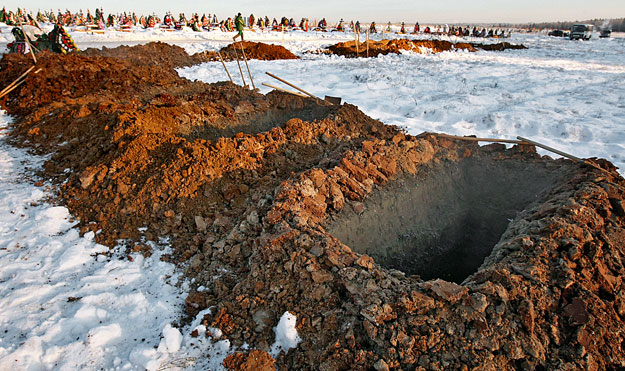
x=138, y=147
x=171, y=56
x=395, y=46
x=153, y=53
x=274, y=203
x=256, y=50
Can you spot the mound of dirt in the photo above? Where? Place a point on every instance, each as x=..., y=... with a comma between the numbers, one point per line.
x=153, y=53
x=353, y=49
x=255, y=50
x=144, y=149
x=171, y=56
x=280, y=203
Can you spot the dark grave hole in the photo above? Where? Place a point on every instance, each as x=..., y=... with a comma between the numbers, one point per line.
x=444, y=223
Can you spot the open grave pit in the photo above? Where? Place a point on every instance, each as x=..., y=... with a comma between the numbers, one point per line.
x=443, y=222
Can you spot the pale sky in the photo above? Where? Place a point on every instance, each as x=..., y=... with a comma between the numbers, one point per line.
x=441, y=11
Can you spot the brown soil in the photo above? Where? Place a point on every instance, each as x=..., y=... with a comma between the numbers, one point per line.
x=165, y=55
x=255, y=360
x=262, y=197
x=395, y=46
x=254, y=50
x=153, y=53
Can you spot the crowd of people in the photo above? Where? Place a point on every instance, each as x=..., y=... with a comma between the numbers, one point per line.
x=98, y=20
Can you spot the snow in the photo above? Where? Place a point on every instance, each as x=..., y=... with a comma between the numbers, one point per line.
x=286, y=335
x=68, y=303
x=172, y=338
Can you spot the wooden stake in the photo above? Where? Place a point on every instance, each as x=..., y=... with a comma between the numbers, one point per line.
x=356, y=41
x=225, y=68
x=13, y=88
x=16, y=80
x=291, y=85
x=473, y=139
x=32, y=52
x=239, y=64
x=521, y=140
x=367, y=43
x=284, y=90
x=248, y=67
x=564, y=154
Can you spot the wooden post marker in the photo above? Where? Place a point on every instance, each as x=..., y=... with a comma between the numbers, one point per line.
x=30, y=47
x=225, y=68
x=247, y=66
x=239, y=64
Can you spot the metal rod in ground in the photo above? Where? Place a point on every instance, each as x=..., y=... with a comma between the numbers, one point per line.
x=564, y=154
x=291, y=85
x=239, y=64
x=248, y=67
x=30, y=47
x=17, y=80
x=225, y=68
x=284, y=90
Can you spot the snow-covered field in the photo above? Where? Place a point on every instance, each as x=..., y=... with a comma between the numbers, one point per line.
x=65, y=304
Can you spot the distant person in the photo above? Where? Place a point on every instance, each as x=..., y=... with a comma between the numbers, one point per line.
x=238, y=24
x=416, y=28
x=372, y=28
x=323, y=24
x=403, y=28
x=339, y=27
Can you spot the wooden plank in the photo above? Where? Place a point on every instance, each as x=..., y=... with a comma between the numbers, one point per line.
x=291, y=85
x=474, y=139
x=561, y=153
x=286, y=91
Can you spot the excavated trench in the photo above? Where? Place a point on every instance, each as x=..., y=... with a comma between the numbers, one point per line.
x=258, y=121
x=444, y=223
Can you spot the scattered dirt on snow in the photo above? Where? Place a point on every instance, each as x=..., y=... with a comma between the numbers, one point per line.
x=257, y=194
x=353, y=49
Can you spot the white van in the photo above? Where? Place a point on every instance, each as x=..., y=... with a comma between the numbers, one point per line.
x=581, y=31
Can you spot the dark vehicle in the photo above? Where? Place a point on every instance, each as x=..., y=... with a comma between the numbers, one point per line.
x=581, y=31
x=605, y=34
x=557, y=33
